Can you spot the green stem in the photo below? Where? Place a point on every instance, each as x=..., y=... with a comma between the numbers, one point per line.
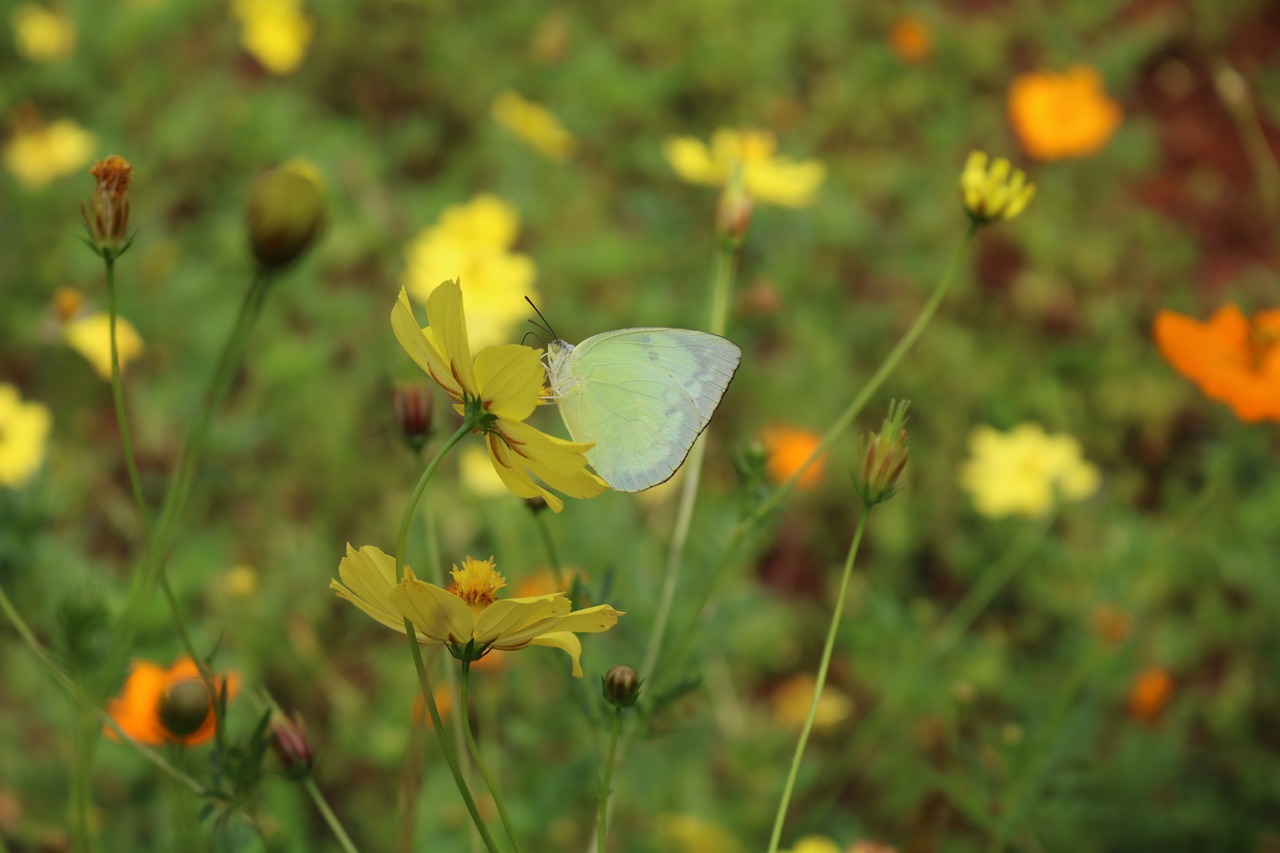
x=407, y=518
x=465, y=710
x=606, y=788
x=544, y=531
x=820, y=682
x=117, y=393
x=81, y=786
x=335, y=825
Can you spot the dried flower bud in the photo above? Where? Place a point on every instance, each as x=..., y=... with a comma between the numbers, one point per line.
x=107, y=216
x=285, y=213
x=184, y=707
x=883, y=456
x=412, y=404
x=621, y=686
x=289, y=741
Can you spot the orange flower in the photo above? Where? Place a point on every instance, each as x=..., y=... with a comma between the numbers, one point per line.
x=171, y=705
x=789, y=448
x=1231, y=358
x=1151, y=692
x=1056, y=116
x=911, y=39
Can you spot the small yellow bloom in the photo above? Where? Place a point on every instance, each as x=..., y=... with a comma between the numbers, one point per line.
x=766, y=176
x=38, y=154
x=24, y=429
x=1057, y=116
x=504, y=384
x=91, y=337
x=476, y=471
x=1025, y=471
x=42, y=35
x=683, y=833
x=472, y=243
x=471, y=619
x=240, y=581
x=998, y=192
x=792, y=699
x=534, y=125
x=274, y=32
x=815, y=844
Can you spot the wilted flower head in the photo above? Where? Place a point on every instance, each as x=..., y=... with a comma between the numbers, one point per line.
x=171, y=705
x=766, y=176
x=1025, y=471
x=534, y=125
x=107, y=216
x=996, y=192
x=1056, y=116
x=1232, y=358
x=24, y=429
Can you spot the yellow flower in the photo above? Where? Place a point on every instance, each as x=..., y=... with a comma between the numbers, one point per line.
x=534, y=125
x=274, y=32
x=91, y=337
x=1056, y=116
x=470, y=619
x=472, y=243
x=998, y=192
x=1025, y=471
x=478, y=475
x=42, y=35
x=767, y=177
x=501, y=387
x=683, y=833
x=37, y=154
x=814, y=844
x=24, y=428
x=792, y=699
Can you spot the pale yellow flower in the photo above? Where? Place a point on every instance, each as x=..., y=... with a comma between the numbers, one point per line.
x=42, y=35
x=684, y=833
x=792, y=699
x=534, y=125
x=37, y=154
x=472, y=243
x=91, y=337
x=997, y=191
x=814, y=844
x=24, y=429
x=766, y=176
x=477, y=474
x=240, y=581
x=1025, y=471
x=468, y=619
x=274, y=32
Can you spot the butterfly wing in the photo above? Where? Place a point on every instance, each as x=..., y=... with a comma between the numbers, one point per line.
x=643, y=396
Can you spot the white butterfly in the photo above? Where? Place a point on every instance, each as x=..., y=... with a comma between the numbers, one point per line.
x=643, y=396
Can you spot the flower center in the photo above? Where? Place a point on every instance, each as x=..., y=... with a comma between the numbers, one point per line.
x=477, y=582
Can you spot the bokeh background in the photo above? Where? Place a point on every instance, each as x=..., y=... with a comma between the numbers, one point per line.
x=1119, y=692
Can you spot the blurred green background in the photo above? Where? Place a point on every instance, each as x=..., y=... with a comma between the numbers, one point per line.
x=1019, y=733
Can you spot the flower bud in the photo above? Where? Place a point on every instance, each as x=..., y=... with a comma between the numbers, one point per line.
x=883, y=456
x=734, y=208
x=289, y=741
x=285, y=213
x=996, y=192
x=107, y=216
x=621, y=686
x=412, y=404
x=184, y=707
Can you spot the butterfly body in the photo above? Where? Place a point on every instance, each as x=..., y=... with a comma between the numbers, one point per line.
x=642, y=395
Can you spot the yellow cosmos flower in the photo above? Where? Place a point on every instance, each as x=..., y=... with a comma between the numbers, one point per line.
x=767, y=177
x=792, y=699
x=91, y=337
x=24, y=429
x=472, y=243
x=470, y=619
x=993, y=192
x=815, y=844
x=37, y=154
x=274, y=32
x=534, y=125
x=42, y=35
x=1025, y=471
x=502, y=386
x=684, y=833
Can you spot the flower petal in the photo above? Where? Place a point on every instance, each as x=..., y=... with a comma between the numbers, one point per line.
x=510, y=622
x=567, y=642
x=558, y=463
x=692, y=161
x=509, y=379
x=369, y=576
x=436, y=614
x=421, y=348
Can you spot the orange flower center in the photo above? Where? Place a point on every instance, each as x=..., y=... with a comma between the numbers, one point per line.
x=477, y=582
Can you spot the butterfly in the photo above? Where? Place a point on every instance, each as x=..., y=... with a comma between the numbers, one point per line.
x=642, y=395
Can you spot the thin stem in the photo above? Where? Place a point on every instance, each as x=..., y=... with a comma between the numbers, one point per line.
x=820, y=681
x=544, y=532
x=407, y=518
x=465, y=710
x=606, y=787
x=82, y=765
x=335, y=825
x=117, y=393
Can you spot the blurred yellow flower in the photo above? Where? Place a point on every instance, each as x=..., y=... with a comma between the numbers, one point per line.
x=501, y=387
x=534, y=125
x=1056, y=116
x=683, y=833
x=469, y=619
x=37, y=154
x=1025, y=471
x=42, y=35
x=24, y=429
x=477, y=473
x=790, y=447
x=472, y=244
x=814, y=844
x=766, y=176
x=274, y=32
x=240, y=581
x=91, y=337
x=995, y=191
x=792, y=698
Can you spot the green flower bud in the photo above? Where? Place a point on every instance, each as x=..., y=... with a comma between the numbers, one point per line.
x=184, y=707
x=285, y=214
x=621, y=686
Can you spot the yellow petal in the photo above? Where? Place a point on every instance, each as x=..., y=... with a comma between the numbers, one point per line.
x=560, y=464
x=369, y=576
x=415, y=342
x=91, y=337
x=515, y=474
x=448, y=325
x=509, y=379
x=566, y=642
x=785, y=183
x=692, y=160
x=436, y=613
x=510, y=622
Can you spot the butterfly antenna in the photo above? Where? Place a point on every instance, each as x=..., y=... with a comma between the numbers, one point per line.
x=545, y=326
